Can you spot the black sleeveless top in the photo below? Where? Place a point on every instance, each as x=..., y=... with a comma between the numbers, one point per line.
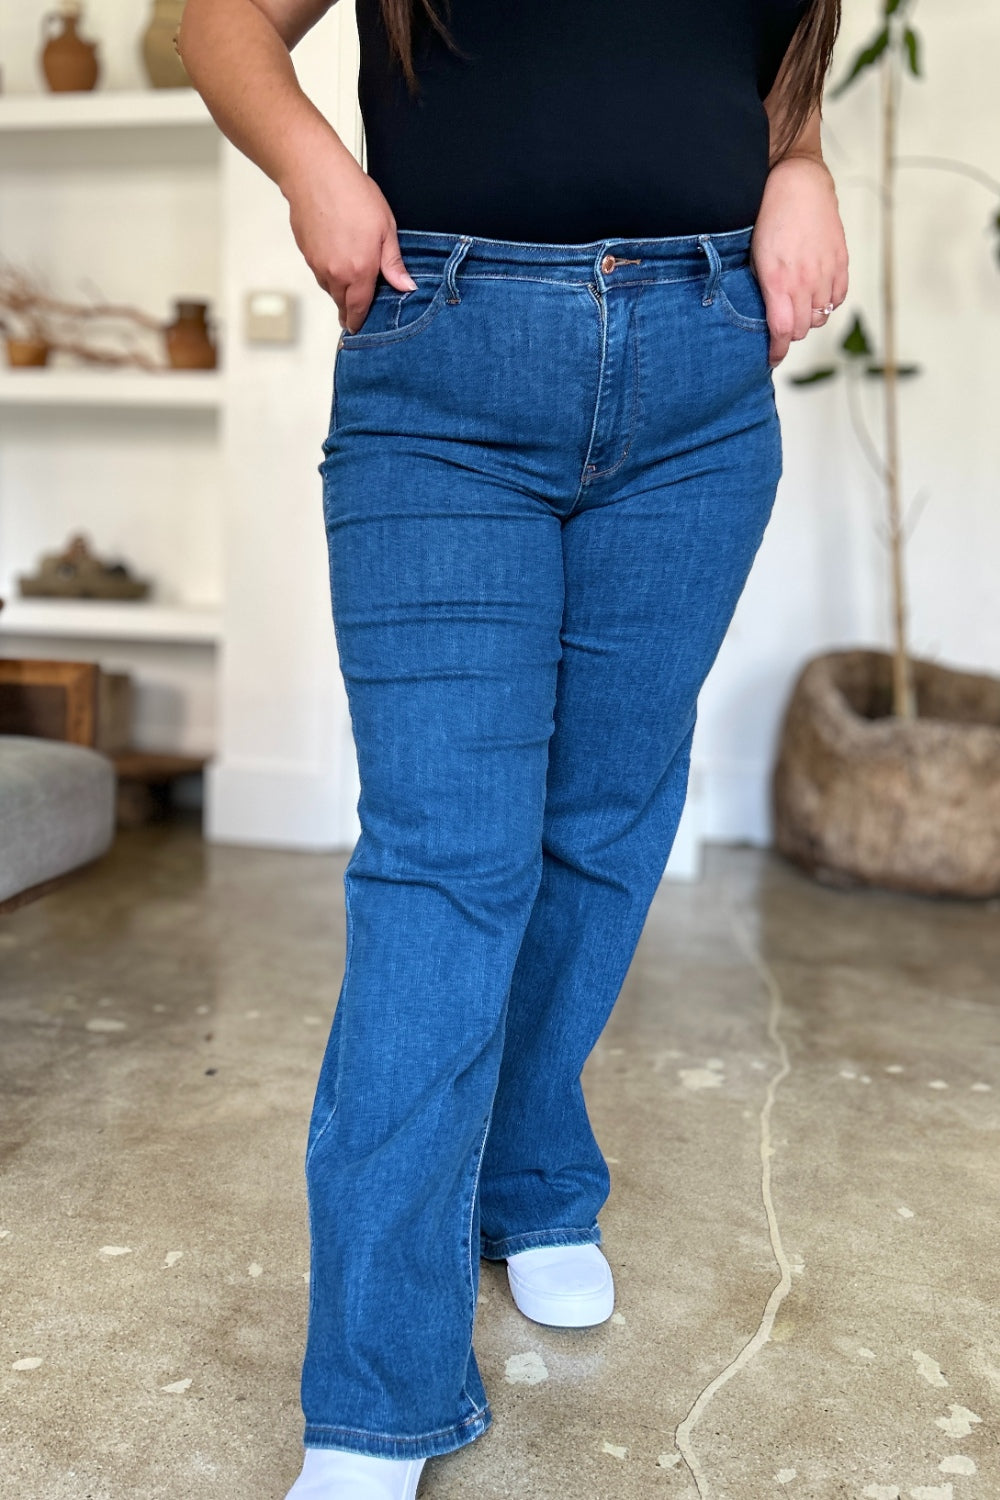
x=576, y=120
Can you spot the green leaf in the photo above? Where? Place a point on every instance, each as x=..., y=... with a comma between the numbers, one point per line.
x=866, y=58
x=912, y=44
x=902, y=371
x=857, y=341
x=825, y=372
x=891, y=7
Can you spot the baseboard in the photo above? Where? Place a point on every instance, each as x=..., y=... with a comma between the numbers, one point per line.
x=287, y=807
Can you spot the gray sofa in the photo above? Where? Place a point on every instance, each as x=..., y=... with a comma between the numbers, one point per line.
x=57, y=811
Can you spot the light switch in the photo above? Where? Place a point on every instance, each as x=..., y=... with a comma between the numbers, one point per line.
x=271, y=317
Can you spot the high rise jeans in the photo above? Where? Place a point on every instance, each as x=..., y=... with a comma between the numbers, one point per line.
x=547, y=473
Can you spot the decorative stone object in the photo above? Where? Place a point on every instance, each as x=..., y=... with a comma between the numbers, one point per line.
x=160, y=57
x=69, y=63
x=76, y=573
x=861, y=797
x=189, y=341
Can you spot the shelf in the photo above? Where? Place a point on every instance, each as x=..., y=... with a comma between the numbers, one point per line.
x=121, y=620
x=169, y=390
x=104, y=109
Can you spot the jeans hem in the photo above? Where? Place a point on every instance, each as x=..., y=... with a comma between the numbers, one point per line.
x=537, y=1239
x=390, y=1445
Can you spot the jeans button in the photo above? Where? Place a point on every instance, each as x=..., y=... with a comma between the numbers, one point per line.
x=608, y=264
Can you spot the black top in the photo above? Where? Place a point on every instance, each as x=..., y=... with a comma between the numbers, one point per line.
x=575, y=120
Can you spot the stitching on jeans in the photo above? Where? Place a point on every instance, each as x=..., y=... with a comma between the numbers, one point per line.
x=631, y=240
x=603, y=322
x=751, y=325
x=393, y=1437
x=530, y=1233
x=397, y=335
x=472, y=1212
x=397, y=309
x=633, y=336
x=565, y=281
x=341, y=1046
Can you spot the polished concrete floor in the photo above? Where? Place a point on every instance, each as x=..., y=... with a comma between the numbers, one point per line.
x=799, y=1094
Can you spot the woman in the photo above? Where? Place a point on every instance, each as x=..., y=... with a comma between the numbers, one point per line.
x=585, y=237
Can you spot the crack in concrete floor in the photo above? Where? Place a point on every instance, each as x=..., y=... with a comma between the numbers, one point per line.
x=685, y=1429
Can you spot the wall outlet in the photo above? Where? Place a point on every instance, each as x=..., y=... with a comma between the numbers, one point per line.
x=271, y=317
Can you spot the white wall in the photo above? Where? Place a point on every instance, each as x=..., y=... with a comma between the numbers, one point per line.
x=820, y=580
x=285, y=771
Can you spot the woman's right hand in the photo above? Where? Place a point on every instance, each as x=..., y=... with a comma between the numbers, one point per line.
x=346, y=232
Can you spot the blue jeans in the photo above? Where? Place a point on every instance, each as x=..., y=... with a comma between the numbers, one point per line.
x=547, y=473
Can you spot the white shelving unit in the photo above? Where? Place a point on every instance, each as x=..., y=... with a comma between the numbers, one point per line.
x=118, y=620
x=165, y=390
x=119, y=189
x=104, y=109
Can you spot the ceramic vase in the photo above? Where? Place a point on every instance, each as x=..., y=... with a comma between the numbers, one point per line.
x=164, y=68
x=188, y=338
x=69, y=63
x=26, y=352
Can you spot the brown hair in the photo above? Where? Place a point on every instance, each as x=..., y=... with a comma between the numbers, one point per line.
x=804, y=69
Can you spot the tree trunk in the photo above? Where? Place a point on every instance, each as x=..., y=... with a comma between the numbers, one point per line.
x=903, y=702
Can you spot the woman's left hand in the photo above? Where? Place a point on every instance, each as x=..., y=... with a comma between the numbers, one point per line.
x=799, y=250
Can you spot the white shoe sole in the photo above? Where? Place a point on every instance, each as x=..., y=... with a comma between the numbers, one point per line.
x=542, y=1299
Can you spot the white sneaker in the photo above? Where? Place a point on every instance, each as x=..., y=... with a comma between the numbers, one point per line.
x=333, y=1474
x=564, y=1286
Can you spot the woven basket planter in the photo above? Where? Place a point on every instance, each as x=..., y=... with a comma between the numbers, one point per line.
x=863, y=798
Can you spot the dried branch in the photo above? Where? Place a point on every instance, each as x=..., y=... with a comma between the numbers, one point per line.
x=59, y=322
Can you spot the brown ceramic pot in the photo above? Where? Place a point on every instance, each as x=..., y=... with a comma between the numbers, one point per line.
x=188, y=338
x=22, y=353
x=163, y=65
x=69, y=63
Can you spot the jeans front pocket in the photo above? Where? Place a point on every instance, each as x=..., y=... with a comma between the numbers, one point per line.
x=739, y=295
x=394, y=315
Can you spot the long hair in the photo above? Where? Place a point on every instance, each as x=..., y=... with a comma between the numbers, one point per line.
x=804, y=70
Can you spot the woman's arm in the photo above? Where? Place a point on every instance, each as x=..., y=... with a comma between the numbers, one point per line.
x=238, y=55
x=799, y=250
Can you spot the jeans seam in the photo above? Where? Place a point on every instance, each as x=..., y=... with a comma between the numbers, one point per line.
x=549, y=1229
x=397, y=335
x=392, y=1437
x=338, y=1075
x=603, y=473
x=621, y=239
x=567, y=281
x=472, y=1213
x=752, y=325
x=602, y=315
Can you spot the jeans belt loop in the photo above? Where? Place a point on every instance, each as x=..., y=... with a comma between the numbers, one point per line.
x=455, y=259
x=715, y=267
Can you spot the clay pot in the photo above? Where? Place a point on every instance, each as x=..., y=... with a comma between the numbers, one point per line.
x=189, y=339
x=25, y=353
x=863, y=798
x=69, y=63
x=164, y=68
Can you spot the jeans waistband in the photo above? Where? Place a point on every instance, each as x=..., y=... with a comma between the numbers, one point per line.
x=616, y=259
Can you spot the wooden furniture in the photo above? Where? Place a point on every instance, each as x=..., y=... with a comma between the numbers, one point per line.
x=55, y=700
x=57, y=790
